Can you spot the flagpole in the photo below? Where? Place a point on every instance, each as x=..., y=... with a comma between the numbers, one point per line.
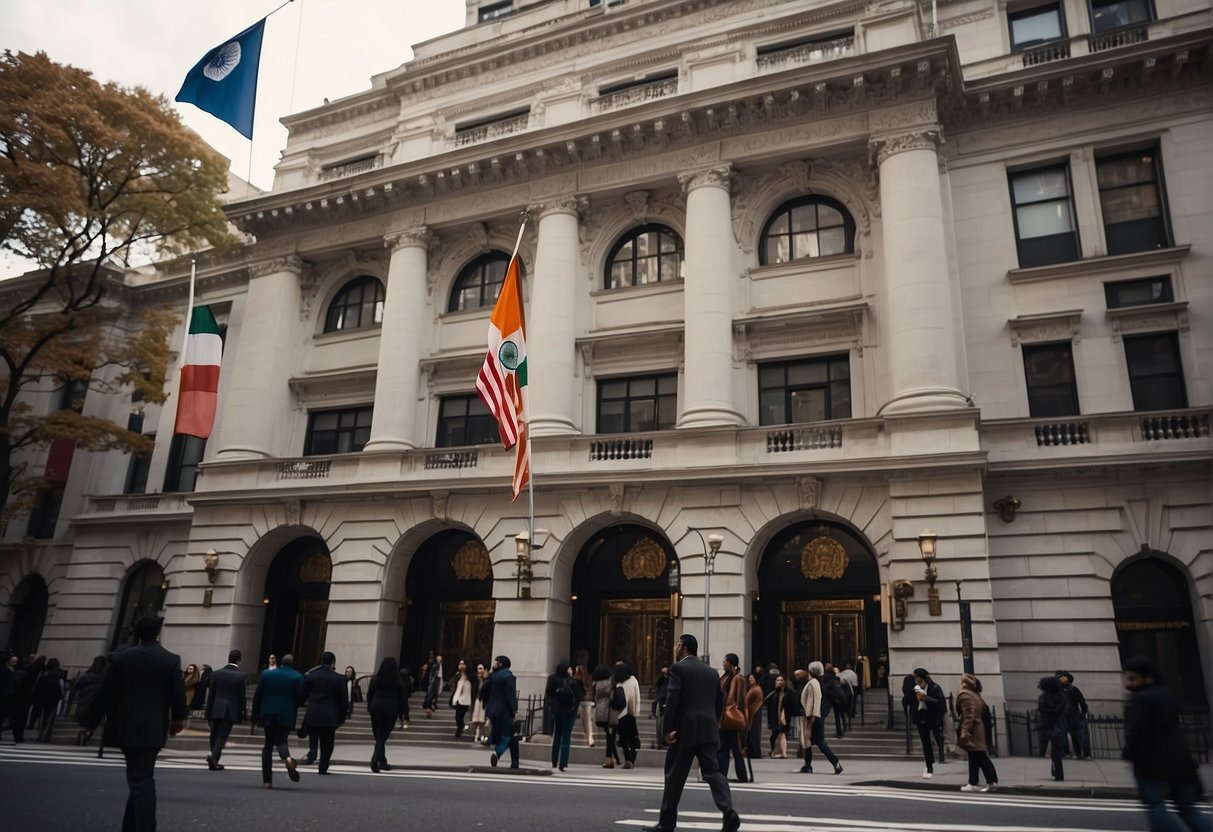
x=524, y=217
x=189, y=315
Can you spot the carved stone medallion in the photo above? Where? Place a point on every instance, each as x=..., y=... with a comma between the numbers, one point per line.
x=471, y=562
x=823, y=557
x=644, y=561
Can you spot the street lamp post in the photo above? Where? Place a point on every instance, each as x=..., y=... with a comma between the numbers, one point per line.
x=711, y=548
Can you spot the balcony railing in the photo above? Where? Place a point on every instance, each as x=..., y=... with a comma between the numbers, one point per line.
x=824, y=50
x=350, y=168
x=634, y=95
x=1056, y=51
x=1185, y=426
x=1062, y=433
x=804, y=439
x=495, y=130
x=303, y=469
x=609, y=450
x=1118, y=38
x=451, y=459
x=144, y=503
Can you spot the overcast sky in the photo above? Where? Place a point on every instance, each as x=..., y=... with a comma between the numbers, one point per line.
x=341, y=44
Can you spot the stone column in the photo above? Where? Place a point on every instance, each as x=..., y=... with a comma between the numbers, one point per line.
x=923, y=335
x=551, y=320
x=707, y=395
x=405, y=316
x=259, y=398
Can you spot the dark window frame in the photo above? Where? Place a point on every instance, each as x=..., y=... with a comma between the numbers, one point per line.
x=477, y=428
x=787, y=209
x=790, y=389
x=185, y=454
x=356, y=433
x=1031, y=11
x=473, y=275
x=1096, y=29
x=350, y=306
x=495, y=11
x=1164, y=294
x=137, y=469
x=631, y=237
x=663, y=419
x=1145, y=234
x=1138, y=383
x=1051, y=399
x=785, y=45
x=1048, y=249
x=44, y=515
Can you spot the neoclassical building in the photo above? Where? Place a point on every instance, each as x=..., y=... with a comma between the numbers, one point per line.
x=804, y=279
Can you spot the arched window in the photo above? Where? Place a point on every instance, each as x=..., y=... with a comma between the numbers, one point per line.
x=479, y=282
x=143, y=595
x=648, y=254
x=810, y=226
x=358, y=304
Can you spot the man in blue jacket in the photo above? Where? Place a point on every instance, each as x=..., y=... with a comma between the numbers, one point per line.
x=275, y=704
x=500, y=707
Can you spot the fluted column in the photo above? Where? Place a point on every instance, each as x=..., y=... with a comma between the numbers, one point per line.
x=923, y=334
x=259, y=398
x=707, y=397
x=551, y=322
x=405, y=313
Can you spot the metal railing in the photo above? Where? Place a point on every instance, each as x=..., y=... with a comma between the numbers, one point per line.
x=1106, y=733
x=495, y=130
x=1120, y=37
x=350, y=168
x=1056, y=51
x=634, y=95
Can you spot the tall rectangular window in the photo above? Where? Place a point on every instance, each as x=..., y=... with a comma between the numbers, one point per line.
x=465, y=420
x=812, y=390
x=1140, y=292
x=184, y=455
x=1134, y=218
x=1045, y=230
x=45, y=514
x=337, y=431
x=1156, y=375
x=1109, y=15
x=1034, y=26
x=1049, y=371
x=137, y=470
x=639, y=403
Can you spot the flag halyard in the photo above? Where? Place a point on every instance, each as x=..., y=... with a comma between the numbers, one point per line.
x=503, y=376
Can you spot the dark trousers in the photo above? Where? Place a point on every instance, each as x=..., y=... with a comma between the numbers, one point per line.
x=754, y=737
x=461, y=712
x=322, y=738
x=841, y=720
x=140, y=814
x=562, y=737
x=381, y=727
x=501, y=738
x=678, y=766
x=275, y=740
x=980, y=761
x=221, y=729
x=611, y=732
x=1153, y=794
x=47, y=727
x=629, y=737
x=817, y=737
x=730, y=743
x=930, y=735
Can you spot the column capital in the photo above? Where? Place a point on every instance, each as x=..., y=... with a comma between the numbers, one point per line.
x=715, y=177
x=291, y=264
x=419, y=237
x=923, y=138
x=569, y=204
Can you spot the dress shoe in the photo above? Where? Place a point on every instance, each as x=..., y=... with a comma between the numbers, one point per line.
x=627, y=764
x=323, y=771
x=212, y=765
x=838, y=768
x=657, y=827
x=806, y=769
x=292, y=769
x=493, y=759
x=267, y=785
x=732, y=822
x=308, y=760
x=385, y=766
x=375, y=765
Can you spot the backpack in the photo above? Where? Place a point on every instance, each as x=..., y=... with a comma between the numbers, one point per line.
x=565, y=697
x=619, y=699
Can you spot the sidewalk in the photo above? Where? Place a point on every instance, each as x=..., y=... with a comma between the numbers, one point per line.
x=1016, y=775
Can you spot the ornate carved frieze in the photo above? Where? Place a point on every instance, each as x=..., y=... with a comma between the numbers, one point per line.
x=913, y=114
x=1163, y=317
x=559, y=205
x=291, y=264
x=1038, y=329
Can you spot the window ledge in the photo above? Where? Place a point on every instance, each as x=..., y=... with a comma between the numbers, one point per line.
x=1045, y=327
x=356, y=381
x=1149, y=317
x=807, y=264
x=625, y=292
x=1100, y=265
x=338, y=336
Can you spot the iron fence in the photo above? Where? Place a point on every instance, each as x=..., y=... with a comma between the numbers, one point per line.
x=1106, y=734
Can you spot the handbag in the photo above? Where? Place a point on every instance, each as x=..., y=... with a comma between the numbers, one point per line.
x=732, y=719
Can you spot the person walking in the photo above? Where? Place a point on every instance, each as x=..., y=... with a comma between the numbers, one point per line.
x=406, y=684
x=478, y=717
x=386, y=700
x=586, y=707
x=433, y=686
x=694, y=703
x=1053, y=709
x=45, y=697
x=226, y=703
x=192, y=677
x=606, y=717
x=781, y=710
x=1076, y=717
x=461, y=696
x=563, y=695
x=353, y=692
x=86, y=689
x=275, y=706
x=629, y=729
x=198, y=702
x=930, y=706
x=1154, y=743
x=753, y=710
x=814, y=727
x=733, y=689
x=972, y=737
x=500, y=707
x=324, y=690
x=142, y=700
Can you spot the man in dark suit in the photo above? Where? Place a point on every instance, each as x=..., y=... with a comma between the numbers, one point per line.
x=226, y=702
x=500, y=707
x=142, y=698
x=327, y=704
x=694, y=702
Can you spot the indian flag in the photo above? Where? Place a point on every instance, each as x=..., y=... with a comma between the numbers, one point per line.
x=198, y=393
x=502, y=380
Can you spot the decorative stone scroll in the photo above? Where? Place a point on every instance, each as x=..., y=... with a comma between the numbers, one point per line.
x=823, y=557
x=644, y=561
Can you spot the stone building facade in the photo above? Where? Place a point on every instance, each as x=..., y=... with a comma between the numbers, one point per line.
x=811, y=275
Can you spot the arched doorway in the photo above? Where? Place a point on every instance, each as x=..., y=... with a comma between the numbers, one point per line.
x=296, y=600
x=818, y=598
x=1153, y=609
x=142, y=594
x=28, y=603
x=621, y=600
x=449, y=604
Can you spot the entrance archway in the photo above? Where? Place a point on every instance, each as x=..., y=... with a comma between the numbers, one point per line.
x=621, y=600
x=449, y=606
x=29, y=603
x=818, y=598
x=296, y=600
x=1153, y=609
x=142, y=594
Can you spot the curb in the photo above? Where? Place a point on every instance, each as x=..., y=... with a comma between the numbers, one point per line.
x=1098, y=792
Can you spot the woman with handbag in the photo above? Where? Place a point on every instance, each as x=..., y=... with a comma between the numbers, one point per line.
x=606, y=717
x=629, y=732
x=972, y=734
x=733, y=722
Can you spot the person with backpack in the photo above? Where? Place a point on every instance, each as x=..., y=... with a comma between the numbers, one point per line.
x=563, y=695
x=972, y=736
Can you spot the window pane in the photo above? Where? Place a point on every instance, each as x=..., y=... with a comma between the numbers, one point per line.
x=617, y=389
x=828, y=217
x=1038, y=25
x=1130, y=169
x=808, y=372
x=610, y=417
x=780, y=226
x=667, y=385
x=667, y=412
x=1106, y=16
x=670, y=267
x=772, y=376
x=325, y=421
x=1165, y=393
x=840, y=400
x=1138, y=292
x=804, y=218
x=805, y=245
x=621, y=274
x=642, y=387
x=646, y=271
x=1048, y=364
x=1040, y=185
x=669, y=243
x=832, y=241
x=361, y=437
x=1151, y=355
x=808, y=405
x=1044, y=220
x=770, y=408
x=778, y=250
x=1131, y=203
x=642, y=414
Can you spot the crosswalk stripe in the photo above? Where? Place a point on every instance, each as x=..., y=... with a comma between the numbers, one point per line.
x=785, y=823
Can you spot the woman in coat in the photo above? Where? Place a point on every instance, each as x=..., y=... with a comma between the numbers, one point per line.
x=753, y=709
x=191, y=681
x=86, y=689
x=385, y=698
x=478, y=717
x=563, y=696
x=972, y=734
x=461, y=696
x=1053, y=708
x=605, y=717
x=628, y=730
x=582, y=673
x=353, y=692
x=44, y=699
x=781, y=707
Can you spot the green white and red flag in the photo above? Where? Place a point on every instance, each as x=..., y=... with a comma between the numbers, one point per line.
x=197, y=395
x=503, y=376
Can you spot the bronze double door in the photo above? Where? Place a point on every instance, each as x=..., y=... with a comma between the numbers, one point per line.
x=638, y=631
x=465, y=631
x=822, y=630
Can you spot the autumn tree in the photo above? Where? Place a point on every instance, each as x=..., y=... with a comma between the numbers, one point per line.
x=93, y=177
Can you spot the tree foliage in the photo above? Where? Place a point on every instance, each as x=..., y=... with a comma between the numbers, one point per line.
x=92, y=177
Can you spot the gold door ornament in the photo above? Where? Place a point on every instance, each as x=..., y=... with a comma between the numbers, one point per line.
x=823, y=557
x=317, y=569
x=644, y=561
x=471, y=562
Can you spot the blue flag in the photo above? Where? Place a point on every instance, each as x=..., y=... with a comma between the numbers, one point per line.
x=224, y=82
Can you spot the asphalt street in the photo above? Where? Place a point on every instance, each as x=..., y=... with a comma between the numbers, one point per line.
x=60, y=788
